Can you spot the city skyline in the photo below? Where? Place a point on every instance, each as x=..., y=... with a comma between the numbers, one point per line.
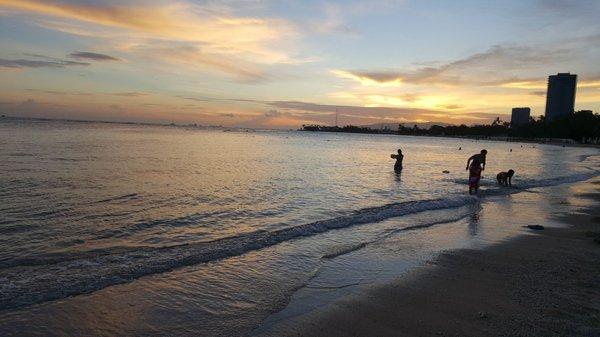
x=284, y=64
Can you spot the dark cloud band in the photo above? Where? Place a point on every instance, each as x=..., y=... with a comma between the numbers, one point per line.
x=92, y=56
x=23, y=63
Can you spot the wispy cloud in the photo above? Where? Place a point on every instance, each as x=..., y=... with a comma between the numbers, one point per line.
x=43, y=61
x=80, y=93
x=25, y=63
x=501, y=65
x=129, y=94
x=56, y=92
x=315, y=109
x=569, y=8
x=538, y=93
x=92, y=56
x=340, y=17
x=450, y=106
x=194, y=56
x=381, y=78
x=194, y=34
x=590, y=82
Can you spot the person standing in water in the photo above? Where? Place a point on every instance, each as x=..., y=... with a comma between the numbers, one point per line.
x=399, y=157
x=475, y=165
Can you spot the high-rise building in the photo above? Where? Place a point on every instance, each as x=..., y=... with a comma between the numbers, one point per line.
x=519, y=116
x=560, y=98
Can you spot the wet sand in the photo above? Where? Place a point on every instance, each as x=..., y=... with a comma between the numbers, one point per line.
x=545, y=284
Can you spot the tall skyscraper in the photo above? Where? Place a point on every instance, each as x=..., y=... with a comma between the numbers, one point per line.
x=560, y=98
x=519, y=116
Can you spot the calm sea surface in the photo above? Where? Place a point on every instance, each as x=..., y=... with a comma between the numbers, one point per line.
x=233, y=222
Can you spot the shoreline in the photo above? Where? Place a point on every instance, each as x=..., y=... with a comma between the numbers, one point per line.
x=544, y=284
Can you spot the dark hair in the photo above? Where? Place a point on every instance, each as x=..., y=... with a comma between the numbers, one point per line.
x=484, y=151
x=511, y=172
x=399, y=150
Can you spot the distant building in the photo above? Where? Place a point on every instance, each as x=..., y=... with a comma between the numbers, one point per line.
x=520, y=116
x=560, y=98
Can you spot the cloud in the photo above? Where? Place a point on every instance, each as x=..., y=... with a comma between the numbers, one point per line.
x=92, y=56
x=80, y=93
x=43, y=61
x=590, y=82
x=345, y=109
x=341, y=17
x=273, y=113
x=56, y=92
x=313, y=111
x=129, y=94
x=196, y=34
x=383, y=79
x=475, y=117
x=191, y=55
x=513, y=66
x=198, y=99
x=538, y=93
x=450, y=106
x=24, y=63
x=569, y=8
x=334, y=21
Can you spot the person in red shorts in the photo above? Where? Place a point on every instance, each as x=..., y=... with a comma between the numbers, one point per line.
x=475, y=165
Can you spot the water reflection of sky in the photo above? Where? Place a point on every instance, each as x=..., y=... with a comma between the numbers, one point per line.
x=171, y=185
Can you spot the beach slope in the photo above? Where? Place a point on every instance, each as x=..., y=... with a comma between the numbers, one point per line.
x=544, y=284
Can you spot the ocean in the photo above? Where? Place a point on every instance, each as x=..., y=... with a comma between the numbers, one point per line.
x=111, y=229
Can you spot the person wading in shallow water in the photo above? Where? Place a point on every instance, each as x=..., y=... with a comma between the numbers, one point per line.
x=475, y=165
x=399, y=157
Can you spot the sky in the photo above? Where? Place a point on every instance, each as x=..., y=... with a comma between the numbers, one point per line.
x=284, y=63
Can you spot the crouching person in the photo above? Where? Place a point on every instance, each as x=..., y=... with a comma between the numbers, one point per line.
x=505, y=178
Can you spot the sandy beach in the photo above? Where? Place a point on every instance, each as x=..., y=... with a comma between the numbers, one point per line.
x=545, y=284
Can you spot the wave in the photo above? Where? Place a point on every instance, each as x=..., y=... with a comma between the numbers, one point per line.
x=343, y=250
x=28, y=281
x=78, y=273
x=118, y=198
x=533, y=183
x=492, y=187
x=584, y=157
x=346, y=249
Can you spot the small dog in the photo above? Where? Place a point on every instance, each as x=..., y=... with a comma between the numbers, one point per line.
x=505, y=178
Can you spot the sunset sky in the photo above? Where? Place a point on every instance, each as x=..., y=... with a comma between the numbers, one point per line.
x=281, y=64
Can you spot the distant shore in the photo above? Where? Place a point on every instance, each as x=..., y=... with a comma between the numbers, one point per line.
x=534, y=285
x=559, y=142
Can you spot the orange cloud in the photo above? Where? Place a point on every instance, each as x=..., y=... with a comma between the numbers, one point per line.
x=543, y=84
x=216, y=40
x=367, y=80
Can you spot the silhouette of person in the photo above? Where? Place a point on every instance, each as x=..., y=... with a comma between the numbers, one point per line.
x=480, y=158
x=399, y=157
x=475, y=164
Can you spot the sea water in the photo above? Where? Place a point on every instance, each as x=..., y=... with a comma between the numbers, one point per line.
x=137, y=229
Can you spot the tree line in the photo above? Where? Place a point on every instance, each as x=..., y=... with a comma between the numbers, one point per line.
x=581, y=126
